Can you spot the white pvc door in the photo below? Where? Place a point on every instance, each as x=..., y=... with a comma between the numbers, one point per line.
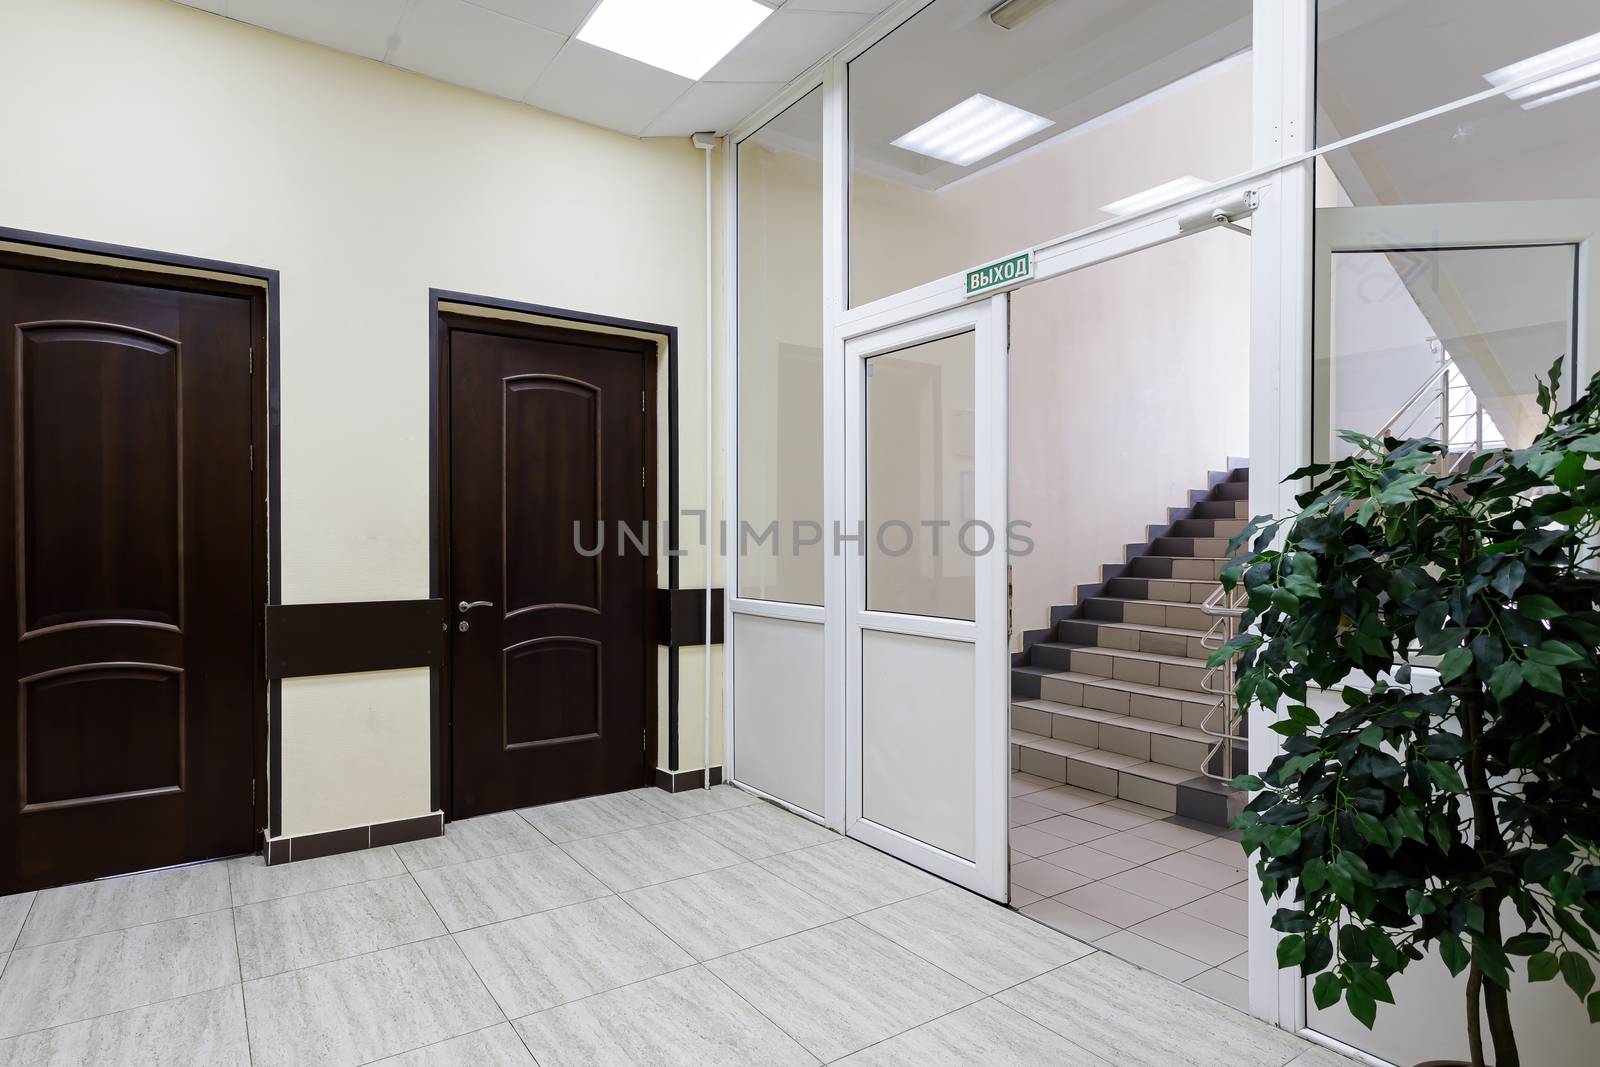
x=925, y=585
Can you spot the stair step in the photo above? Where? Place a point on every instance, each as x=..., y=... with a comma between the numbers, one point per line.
x=1129, y=735
x=1183, y=568
x=1234, y=489
x=1176, y=614
x=1175, y=707
x=1221, y=509
x=1112, y=774
x=1190, y=546
x=1203, y=527
x=1136, y=637
x=1150, y=668
x=1177, y=590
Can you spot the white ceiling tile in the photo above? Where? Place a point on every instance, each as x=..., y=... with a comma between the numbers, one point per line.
x=606, y=89
x=862, y=7
x=562, y=16
x=214, y=6
x=468, y=45
x=784, y=45
x=360, y=26
x=715, y=106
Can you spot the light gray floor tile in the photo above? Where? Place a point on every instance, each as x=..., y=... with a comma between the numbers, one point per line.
x=1222, y=850
x=1238, y=892
x=472, y=839
x=1171, y=833
x=850, y=876
x=1133, y=1018
x=1239, y=966
x=761, y=830
x=692, y=802
x=1192, y=868
x=1022, y=897
x=1193, y=937
x=684, y=1019
x=987, y=1033
x=1169, y=963
x=572, y=820
x=636, y=858
x=498, y=1046
x=1068, y=920
x=1154, y=885
x=504, y=887
x=1023, y=812
x=65, y=981
x=1073, y=830
x=1023, y=784
x=724, y=911
x=253, y=881
x=1220, y=985
x=119, y=903
x=1066, y=798
x=1220, y=909
x=1119, y=816
x=1315, y=1056
x=13, y=910
x=1046, y=878
x=980, y=942
x=330, y=924
x=1111, y=904
x=202, y=1028
x=1089, y=861
x=366, y=1007
x=1036, y=842
x=841, y=987
x=1130, y=846
x=539, y=961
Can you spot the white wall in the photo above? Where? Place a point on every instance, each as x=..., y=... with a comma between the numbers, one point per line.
x=140, y=122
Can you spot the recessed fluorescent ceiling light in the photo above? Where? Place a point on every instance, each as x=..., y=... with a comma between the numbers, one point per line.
x=686, y=37
x=1165, y=193
x=977, y=127
x=1571, y=69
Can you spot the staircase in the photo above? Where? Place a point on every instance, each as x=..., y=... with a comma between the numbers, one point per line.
x=1114, y=698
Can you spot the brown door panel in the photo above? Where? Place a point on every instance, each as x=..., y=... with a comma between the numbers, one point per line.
x=126, y=568
x=554, y=677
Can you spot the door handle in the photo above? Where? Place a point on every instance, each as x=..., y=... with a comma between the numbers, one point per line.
x=468, y=605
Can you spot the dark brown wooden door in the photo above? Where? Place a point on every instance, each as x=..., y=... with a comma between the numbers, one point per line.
x=126, y=574
x=553, y=681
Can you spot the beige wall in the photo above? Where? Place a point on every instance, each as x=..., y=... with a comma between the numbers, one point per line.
x=153, y=125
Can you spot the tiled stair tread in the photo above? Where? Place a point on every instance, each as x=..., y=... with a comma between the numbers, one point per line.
x=1137, y=688
x=1149, y=600
x=1130, y=722
x=1124, y=653
x=1160, y=772
x=1052, y=745
x=1173, y=631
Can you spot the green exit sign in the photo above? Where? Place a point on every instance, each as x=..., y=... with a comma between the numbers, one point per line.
x=1000, y=273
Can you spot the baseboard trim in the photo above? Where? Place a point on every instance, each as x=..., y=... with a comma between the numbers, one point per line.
x=278, y=850
x=681, y=781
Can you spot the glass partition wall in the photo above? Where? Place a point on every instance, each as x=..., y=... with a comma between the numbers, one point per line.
x=1422, y=179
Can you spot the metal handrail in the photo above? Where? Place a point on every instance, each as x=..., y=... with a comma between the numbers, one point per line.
x=1226, y=609
x=1464, y=407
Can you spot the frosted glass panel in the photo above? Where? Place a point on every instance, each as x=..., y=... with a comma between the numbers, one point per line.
x=921, y=480
x=777, y=691
x=918, y=728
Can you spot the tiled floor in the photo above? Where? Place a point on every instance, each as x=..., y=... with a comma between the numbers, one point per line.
x=700, y=928
x=1165, y=893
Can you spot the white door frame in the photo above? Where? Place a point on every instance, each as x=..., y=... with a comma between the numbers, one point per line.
x=987, y=871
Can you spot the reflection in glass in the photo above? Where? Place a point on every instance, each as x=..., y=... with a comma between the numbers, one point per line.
x=921, y=480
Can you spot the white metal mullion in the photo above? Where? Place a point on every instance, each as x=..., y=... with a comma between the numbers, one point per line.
x=731, y=564
x=835, y=252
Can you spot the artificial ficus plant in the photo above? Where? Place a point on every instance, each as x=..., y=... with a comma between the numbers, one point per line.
x=1408, y=818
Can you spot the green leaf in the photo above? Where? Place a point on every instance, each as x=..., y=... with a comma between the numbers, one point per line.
x=1493, y=961
x=1361, y=1005
x=1284, y=841
x=1445, y=777
x=1325, y=992
x=1542, y=677
x=1538, y=606
x=1577, y=973
x=1291, y=950
x=1285, y=601
x=1556, y=654
x=1454, y=953
x=1456, y=663
x=1339, y=880
x=1506, y=679
x=1246, y=782
x=1543, y=966
x=1593, y=1004
x=1527, y=944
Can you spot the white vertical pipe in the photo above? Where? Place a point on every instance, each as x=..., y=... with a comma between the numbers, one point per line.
x=707, y=144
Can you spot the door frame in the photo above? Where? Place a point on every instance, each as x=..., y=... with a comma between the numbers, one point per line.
x=656, y=621
x=987, y=872
x=97, y=260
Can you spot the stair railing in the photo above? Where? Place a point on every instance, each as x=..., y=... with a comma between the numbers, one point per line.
x=1219, y=681
x=1454, y=407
